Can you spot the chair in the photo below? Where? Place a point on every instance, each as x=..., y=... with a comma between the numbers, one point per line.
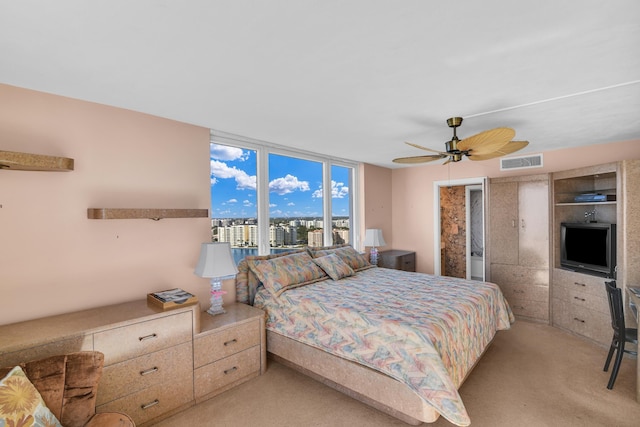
x=621, y=334
x=68, y=385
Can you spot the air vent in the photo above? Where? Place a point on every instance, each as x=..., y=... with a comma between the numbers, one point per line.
x=522, y=162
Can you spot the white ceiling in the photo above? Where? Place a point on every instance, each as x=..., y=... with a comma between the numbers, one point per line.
x=347, y=78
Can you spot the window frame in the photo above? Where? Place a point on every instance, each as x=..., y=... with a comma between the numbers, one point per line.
x=263, y=149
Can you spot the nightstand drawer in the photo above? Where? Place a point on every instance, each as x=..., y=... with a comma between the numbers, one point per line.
x=130, y=341
x=217, y=375
x=397, y=259
x=218, y=345
x=145, y=371
x=154, y=401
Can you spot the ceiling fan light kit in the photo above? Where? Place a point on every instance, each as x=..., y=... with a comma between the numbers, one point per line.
x=482, y=146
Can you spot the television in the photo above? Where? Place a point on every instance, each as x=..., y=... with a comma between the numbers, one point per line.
x=589, y=248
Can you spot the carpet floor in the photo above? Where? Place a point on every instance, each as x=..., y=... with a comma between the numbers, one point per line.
x=532, y=375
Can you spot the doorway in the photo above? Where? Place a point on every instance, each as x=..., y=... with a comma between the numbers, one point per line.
x=459, y=228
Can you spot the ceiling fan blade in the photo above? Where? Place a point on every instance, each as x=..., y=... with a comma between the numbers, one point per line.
x=425, y=148
x=510, y=147
x=418, y=159
x=488, y=141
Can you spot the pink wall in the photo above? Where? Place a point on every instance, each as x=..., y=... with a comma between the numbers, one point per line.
x=377, y=203
x=52, y=258
x=412, y=189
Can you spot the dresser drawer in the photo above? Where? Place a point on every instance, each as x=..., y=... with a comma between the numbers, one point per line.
x=130, y=341
x=216, y=375
x=577, y=295
x=589, y=284
x=589, y=323
x=503, y=274
x=533, y=309
x=520, y=292
x=145, y=371
x=218, y=345
x=154, y=401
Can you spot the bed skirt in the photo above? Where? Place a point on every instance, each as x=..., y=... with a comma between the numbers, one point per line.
x=357, y=381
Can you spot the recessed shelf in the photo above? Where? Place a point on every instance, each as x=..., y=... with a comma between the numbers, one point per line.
x=10, y=160
x=155, y=214
x=585, y=203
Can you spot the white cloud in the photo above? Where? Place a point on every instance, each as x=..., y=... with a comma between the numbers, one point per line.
x=222, y=171
x=338, y=191
x=232, y=201
x=291, y=204
x=287, y=185
x=224, y=152
x=247, y=203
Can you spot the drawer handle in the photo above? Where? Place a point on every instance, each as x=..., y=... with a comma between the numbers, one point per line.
x=579, y=299
x=149, y=371
x=579, y=284
x=518, y=291
x=150, y=404
x=519, y=307
x=228, y=371
x=148, y=337
x=579, y=320
x=233, y=341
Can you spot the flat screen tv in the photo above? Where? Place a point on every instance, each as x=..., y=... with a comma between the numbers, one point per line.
x=589, y=248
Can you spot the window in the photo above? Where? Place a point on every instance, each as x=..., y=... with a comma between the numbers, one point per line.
x=266, y=198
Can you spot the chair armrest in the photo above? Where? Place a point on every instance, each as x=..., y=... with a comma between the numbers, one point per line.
x=110, y=419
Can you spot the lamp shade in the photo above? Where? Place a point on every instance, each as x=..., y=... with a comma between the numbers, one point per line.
x=373, y=237
x=215, y=260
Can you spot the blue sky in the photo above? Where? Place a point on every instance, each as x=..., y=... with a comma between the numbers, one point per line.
x=295, y=185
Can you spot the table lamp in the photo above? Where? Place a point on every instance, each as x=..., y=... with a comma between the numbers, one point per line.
x=373, y=238
x=216, y=262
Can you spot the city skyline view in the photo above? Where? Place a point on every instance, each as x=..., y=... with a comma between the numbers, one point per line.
x=295, y=185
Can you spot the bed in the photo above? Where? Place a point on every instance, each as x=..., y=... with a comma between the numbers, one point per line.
x=399, y=341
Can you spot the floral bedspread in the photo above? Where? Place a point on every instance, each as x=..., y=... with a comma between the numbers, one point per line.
x=426, y=331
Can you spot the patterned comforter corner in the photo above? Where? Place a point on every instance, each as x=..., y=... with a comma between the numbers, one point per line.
x=426, y=331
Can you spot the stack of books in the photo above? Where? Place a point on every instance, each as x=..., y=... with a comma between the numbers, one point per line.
x=171, y=298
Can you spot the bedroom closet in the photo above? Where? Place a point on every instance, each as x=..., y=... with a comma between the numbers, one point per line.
x=518, y=239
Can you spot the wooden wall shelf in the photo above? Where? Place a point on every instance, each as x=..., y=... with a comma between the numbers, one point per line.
x=11, y=160
x=154, y=214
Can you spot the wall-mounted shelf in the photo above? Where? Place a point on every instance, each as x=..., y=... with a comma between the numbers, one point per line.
x=154, y=214
x=11, y=160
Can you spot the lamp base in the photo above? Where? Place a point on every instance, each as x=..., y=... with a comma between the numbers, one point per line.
x=373, y=256
x=216, y=297
x=213, y=311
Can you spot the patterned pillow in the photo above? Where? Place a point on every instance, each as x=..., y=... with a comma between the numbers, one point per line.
x=350, y=256
x=333, y=265
x=21, y=404
x=280, y=274
x=247, y=283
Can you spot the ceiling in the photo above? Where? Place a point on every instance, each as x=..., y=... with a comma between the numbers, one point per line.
x=352, y=79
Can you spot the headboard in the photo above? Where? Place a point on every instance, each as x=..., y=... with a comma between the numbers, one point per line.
x=247, y=283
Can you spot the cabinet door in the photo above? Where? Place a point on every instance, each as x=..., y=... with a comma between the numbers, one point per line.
x=503, y=222
x=533, y=235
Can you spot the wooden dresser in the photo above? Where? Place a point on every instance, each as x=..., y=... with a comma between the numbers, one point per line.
x=149, y=353
x=397, y=259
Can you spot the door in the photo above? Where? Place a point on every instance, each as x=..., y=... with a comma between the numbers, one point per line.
x=455, y=228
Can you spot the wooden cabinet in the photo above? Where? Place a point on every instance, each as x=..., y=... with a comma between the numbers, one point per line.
x=519, y=242
x=580, y=305
x=579, y=300
x=143, y=361
x=229, y=350
x=150, y=354
x=397, y=259
x=148, y=371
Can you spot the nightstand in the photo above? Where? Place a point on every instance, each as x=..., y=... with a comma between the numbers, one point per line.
x=229, y=350
x=397, y=259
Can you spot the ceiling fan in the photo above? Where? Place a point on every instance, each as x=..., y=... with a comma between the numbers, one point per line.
x=485, y=145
